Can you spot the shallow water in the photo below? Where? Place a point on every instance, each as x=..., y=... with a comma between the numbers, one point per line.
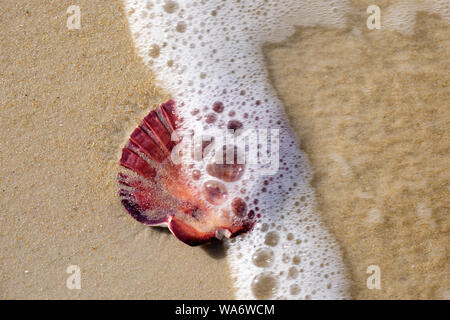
x=371, y=111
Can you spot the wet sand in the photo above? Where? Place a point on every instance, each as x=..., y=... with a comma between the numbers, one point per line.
x=370, y=109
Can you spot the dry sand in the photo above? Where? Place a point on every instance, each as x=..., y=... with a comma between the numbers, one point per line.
x=371, y=111
x=68, y=100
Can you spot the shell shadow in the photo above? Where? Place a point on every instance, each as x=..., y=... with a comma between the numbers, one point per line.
x=215, y=249
x=162, y=230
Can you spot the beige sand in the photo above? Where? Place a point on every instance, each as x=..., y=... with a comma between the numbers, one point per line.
x=371, y=111
x=68, y=100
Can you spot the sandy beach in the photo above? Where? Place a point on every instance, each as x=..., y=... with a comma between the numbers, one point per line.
x=69, y=99
x=370, y=109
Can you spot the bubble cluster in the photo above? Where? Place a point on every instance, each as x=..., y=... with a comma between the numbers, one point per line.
x=401, y=16
x=207, y=54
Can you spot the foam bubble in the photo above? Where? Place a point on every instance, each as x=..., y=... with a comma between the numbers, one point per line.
x=263, y=257
x=208, y=55
x=265, y=285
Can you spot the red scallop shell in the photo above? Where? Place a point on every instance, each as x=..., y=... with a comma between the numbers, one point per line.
x=156, y=192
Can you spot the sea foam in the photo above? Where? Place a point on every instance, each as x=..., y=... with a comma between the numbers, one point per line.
x=204, y=52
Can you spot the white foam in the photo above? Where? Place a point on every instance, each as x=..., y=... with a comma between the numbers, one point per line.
x=401, y=16
x=198, y=49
